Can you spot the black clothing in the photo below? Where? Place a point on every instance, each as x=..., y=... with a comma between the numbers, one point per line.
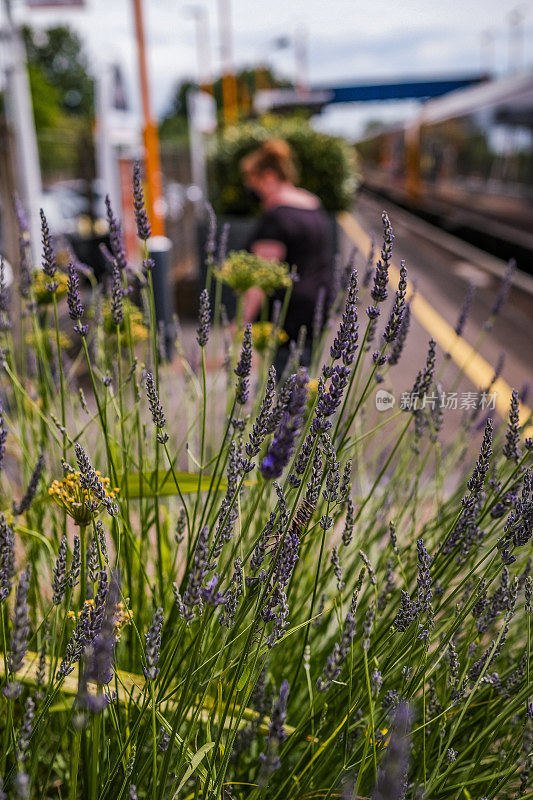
x=307, y=236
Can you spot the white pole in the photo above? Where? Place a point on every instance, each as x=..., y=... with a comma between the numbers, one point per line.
x=196, y=144
x=20, y=115
x=105, y=150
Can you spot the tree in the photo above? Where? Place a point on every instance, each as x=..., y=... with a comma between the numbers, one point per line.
x=59, y=55
x=62, y=92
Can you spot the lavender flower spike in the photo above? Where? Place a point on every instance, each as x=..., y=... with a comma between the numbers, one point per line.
x=392, y=775
x=75, y=308
x=192, y=596
x=276, y=731
x=395, y=319
x=49, y=260
x=381, y=276
x=31, y=491
x=156, y=409
x=144, y=230
x=244, y=365
x=21, y=625
x=511, y=449
x=202, y=333
x=7, y=558
x=153, y=645
x=3, y=437
x=117, y=293
x=115, y=236
x=283, y=443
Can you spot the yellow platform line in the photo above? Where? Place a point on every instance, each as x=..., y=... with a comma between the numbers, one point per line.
x=470, y=362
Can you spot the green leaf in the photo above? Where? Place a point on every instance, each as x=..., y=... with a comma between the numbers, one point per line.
x=195, y=761
x=145, y=484
x=243, y=680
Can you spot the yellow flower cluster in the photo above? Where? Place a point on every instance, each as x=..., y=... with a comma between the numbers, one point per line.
x=49, y=336
x=131, y=312
x=44, y=296
x=123, y=616
x=242, y=270
x=262, y=333
x=79, y=503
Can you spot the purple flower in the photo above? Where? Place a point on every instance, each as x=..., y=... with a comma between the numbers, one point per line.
x=399, y=341
x=117, y=293
x=202, y=333
x=75, y=308
x=25, y=731
x=152, y=640
x=31, y=491
x=407, y=613
x=392, y=782
x=192, y=597
x=282, y=446
x=7, y=558
x=75, y=564
x=345, y=342
x=144, y=230
x=49, y=261
x=477, y=480
x=3, y=437
x=244, y=365
x=59, y=583
x=231, y=599
x=99, y=655
x=156, y=409
x=329, y=399
x=381, y=276
x=465, y=309
x=115, y=236
x=511, y=449
x=89, y=480
x=332, y=670
x=80, y=638
x=21, y=625
x=276, y=731
x=260, y=426
x=424, y=377
x=393, y=326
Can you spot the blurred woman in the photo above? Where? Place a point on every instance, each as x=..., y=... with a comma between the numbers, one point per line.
x=293, y=228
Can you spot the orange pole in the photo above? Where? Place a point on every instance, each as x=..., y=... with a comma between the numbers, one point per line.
x=154, y=182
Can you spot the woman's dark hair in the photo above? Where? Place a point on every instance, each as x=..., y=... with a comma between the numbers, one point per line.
x=274, y=154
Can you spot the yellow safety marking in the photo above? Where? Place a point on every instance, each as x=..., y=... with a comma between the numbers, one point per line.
x=471, y=363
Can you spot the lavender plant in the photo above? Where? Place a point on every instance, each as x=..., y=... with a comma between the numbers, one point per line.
x=227, y=533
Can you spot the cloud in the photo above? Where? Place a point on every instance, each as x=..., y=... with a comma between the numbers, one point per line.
x=348, y=41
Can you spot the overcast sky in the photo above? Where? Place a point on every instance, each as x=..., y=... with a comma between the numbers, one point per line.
x=348, y=41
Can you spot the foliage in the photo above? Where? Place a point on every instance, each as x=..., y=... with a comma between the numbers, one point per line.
x=179, y=625
x=59, y=55
x=326, y=164
x=62, y=93
x=242, y=270
x=249, y=80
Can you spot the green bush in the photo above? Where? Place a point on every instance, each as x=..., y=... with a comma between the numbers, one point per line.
x=326, y=164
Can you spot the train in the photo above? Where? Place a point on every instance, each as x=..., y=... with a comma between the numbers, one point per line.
x=465, y=162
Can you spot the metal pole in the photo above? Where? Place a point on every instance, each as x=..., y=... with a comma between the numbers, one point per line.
x=154, y=180
x=105, y=151
x=20, y=114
